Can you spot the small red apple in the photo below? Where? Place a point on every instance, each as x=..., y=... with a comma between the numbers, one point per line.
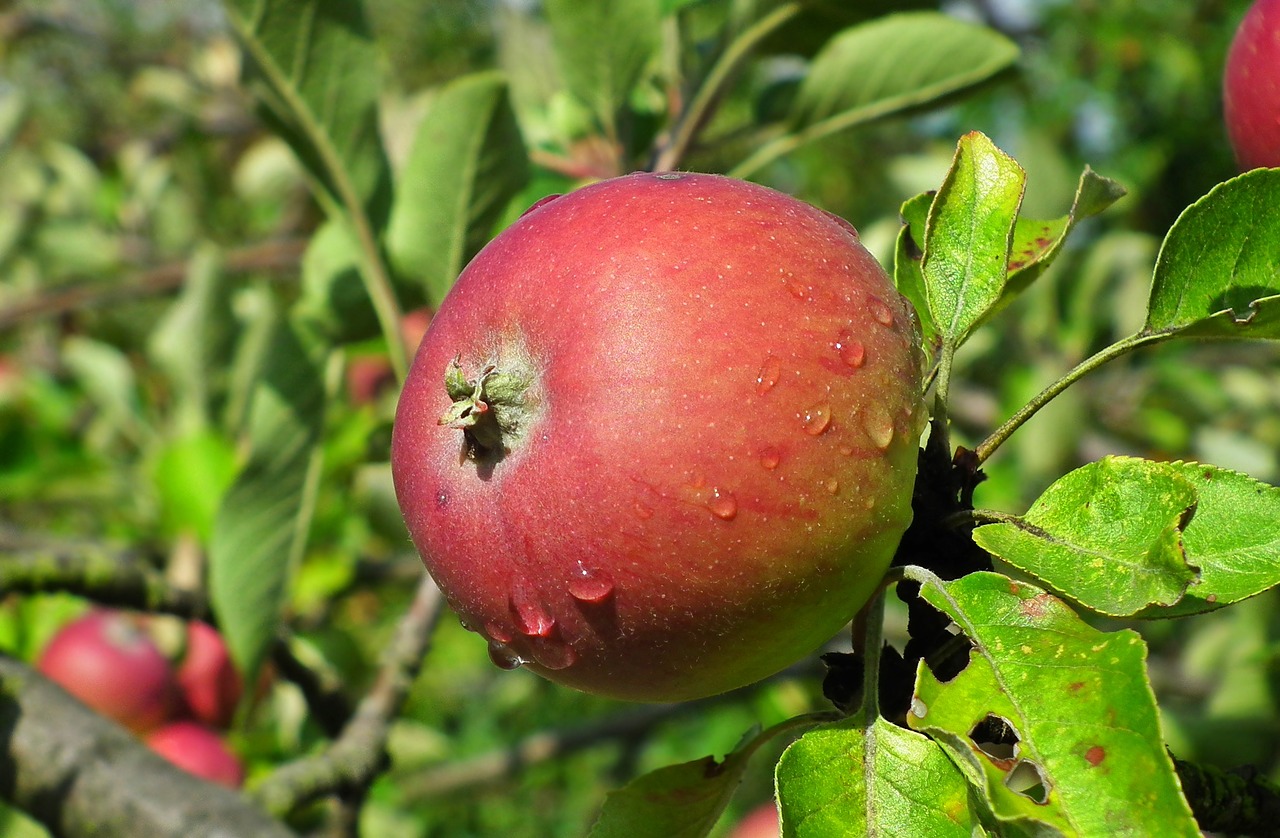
x=1251, y=87
x=109, y=662
x=370, y=375
x=198, y=750
x=208, y=681
x=760, y=822
x=661, y=438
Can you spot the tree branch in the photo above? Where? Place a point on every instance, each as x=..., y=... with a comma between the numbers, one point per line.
x=351, y=763
x=80, y=774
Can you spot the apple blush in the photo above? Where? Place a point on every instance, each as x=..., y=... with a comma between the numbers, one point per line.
x=1251, y=87
x=660, y=439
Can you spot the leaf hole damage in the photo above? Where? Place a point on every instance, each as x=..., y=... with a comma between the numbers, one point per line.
x=997, y=739
x=1028, y=780
x=951, y=656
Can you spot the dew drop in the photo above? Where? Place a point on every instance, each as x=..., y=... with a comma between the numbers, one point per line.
x=538, y=203
x=643, y=512
x=817, y=419
x=797, y=287
x=852, y=352
x=879, y=428
x=587, y=585
x=465, y=625
x=553, y=653
x=847, y=450
x=531, y=616
x=880, y=311
x=723, y=505
x=770, y=457
x=832, y=485
x=770, y=372
x=504, y=657
x=497, y=631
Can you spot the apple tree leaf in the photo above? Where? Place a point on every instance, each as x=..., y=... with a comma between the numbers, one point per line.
x=1108, y=535
x=907, y=257
x=685, y=800
x=848, y=778
x=333, y=299
x=893, y=63
x=466, y=162
x=1052, y=719
x=261, y=526
x=1218, y=272
x=314, y=67
x=1234, y=538
x=968, y=236
x=603, y=48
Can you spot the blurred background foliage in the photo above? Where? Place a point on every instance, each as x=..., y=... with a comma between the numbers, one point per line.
x=135, y=179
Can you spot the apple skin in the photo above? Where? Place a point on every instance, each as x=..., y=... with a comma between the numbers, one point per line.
x=760, y=822
x=207, y=680
x=718, y=446
x=198, y=750
x=109, y=662
x=1251, y=87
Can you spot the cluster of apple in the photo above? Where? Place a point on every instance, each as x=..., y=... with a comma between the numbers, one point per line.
x=111, y=662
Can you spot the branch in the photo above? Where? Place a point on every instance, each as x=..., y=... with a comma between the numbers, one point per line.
x=80, y=774
x=351, y=763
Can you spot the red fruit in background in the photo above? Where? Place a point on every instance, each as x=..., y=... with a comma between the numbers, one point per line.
x=369, y=375
x=109, y=662
x=1251, y=87
x=760, y=822
x=208, y=682
x=677, y=448
x=198, y=750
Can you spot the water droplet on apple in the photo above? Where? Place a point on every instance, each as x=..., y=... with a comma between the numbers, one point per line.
x=770, y=457
x=540, y=202
x=851, y=351
x=504, y=657
x=553, y=653
x=770, y=372
x=816, y=419
x=723, y=505
x=531, y=617
x=497, y=631
x=879, y=426
x=881, y=312
x=832, y=485
x=465, y=625
x=643, y=512
x=669, y=176
x=587, y=585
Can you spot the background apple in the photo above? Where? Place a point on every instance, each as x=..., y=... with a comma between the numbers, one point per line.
x=679, y=441
x=760, y=822
x=111, y=664
x=1251, y=87
x=207, y=680
x=370, y=375
x=199, y=750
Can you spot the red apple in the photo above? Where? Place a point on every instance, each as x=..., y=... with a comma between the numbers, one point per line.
x=760, y=822
x=661, y=438
x=109, y=662
x=1251, y=87
x=207, y=679
x=198, y=750
x=370, y=375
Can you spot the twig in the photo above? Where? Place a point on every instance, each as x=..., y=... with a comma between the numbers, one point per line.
x=268, y=256
x=80, y=774
x=351, y=763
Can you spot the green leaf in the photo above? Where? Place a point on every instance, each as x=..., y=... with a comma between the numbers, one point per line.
x=333, y=293
x=907, y=273
x=315, y=68
x=968, y=235
x=681, y=801
x=843, y=779
x=1234, y=538
x=1054, y=720
x=466, y=163
x=1036, y=243
x=1218, y=272
x=1108, y=535
x=261, y=527
x=894, y=63
x=602, y=49
x=191, y=475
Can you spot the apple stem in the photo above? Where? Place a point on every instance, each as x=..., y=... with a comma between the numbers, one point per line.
x=491, y=411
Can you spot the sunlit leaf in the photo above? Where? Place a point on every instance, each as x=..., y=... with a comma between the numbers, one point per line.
x=907, y=273
x=1108, y=534
x=846, y=779
x=1218, y=273
x=968, y=235
x=466, y=162
x=261, y=526
x=1054, y=720
x=191, y=476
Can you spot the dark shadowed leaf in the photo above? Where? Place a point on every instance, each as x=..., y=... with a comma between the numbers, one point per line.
x=466, y=163
x=907, y=273
x=1218, y=273
x=1052, y=719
